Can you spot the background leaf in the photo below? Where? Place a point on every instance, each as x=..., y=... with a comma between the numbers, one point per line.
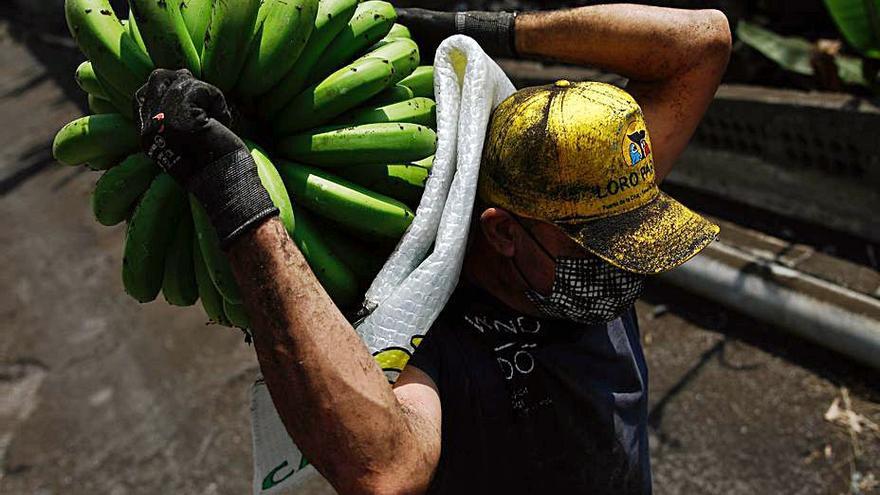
x=859, y=22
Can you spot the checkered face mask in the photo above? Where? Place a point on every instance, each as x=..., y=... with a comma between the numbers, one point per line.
x=585, y=290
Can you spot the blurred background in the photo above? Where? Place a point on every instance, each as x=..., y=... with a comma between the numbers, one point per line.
x=764, y=351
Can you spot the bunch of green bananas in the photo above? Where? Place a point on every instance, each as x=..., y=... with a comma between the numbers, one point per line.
x=334, y=107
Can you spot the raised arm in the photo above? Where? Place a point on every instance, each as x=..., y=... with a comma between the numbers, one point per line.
x=331, y=395
x=673, y=58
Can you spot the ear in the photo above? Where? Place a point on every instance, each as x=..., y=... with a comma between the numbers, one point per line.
x=500, y=230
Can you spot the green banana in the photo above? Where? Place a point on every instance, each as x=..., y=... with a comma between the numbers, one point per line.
x=87, y=80
x=135, y=32
x=236, y=315
x=179, y=278
x=405, y=181
x=398, y=31
x=415, y=111
x=427, y=162
x=196, y=16
x=98, y=105
x=271, y=180
x=365, y=261
x=103, y=163
x=343, y=90
x=421, y=81
x=165, y=34
x=332, y=17
x=107, y=44
x=215, y=260
x=262, y=14
x=119, y=188
x=344, y=202
x=277, y=44
x=371, y=22
x=403, y=53
x=336, y=277
x=120, y=101
x=95, y=136
x=394, y=94
x=227, y=41
x=368, y=143
x=150, y=231
x=212, y=301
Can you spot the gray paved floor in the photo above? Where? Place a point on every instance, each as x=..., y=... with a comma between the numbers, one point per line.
x=101, y=395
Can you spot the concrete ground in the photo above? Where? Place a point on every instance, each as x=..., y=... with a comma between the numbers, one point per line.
x=99, y=394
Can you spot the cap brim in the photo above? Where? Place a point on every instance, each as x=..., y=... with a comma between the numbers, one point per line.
x=651, y=239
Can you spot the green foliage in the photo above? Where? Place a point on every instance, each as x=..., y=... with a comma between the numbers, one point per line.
x=859, y=22
x=793, y=54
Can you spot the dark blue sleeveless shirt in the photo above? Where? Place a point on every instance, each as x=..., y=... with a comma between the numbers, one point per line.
x=534, y=405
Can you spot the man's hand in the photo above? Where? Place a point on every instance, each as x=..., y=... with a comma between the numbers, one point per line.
x=183, y=125
x=492, y=30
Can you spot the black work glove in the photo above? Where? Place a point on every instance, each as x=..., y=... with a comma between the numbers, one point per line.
x=183, y=122
x=492, y=30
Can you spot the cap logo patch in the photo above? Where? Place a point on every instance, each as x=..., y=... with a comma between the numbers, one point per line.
x=635, y=144
x=635, y=178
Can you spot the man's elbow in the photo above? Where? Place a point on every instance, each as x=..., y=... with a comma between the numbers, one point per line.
x=387, y=484
x=390, y=486
x=714, y=37
x=407, y=474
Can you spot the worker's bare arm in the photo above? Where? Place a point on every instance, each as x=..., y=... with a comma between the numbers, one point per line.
x=330, y=393
x=674, y=59
x=420, y=399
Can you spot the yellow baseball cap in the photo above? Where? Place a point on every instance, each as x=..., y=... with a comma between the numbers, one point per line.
x=579, y=155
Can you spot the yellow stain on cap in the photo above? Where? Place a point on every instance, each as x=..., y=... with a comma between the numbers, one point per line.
x=568, y=151
x=579, y=155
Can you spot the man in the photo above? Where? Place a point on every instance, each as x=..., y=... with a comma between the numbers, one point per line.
x=532, y=379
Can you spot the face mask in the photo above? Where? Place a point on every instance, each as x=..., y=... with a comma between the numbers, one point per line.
x=585, y=290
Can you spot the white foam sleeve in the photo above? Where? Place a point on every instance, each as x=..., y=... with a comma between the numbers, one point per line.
x=414, y=285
